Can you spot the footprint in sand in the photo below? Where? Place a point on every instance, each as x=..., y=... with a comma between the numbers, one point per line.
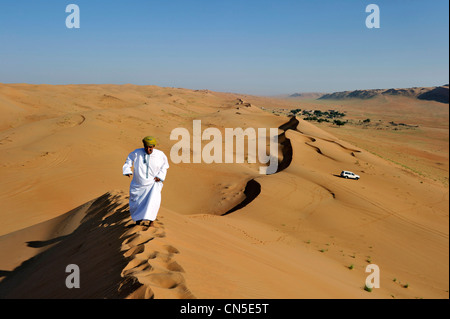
x=152, y=263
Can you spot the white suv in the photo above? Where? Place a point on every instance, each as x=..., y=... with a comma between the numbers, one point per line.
x=347, y=174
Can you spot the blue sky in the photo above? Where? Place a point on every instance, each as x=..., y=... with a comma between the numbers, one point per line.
x=248, y=46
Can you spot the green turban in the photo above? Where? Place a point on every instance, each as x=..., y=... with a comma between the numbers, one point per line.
x=149, y=140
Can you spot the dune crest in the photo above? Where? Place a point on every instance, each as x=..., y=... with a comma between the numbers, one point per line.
x=116, y=258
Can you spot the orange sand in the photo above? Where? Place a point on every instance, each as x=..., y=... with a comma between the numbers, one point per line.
x=63, y=200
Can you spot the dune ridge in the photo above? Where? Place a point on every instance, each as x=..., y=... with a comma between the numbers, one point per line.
x=117, y=259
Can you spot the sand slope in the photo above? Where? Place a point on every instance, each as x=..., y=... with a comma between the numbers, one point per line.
x=236, y=234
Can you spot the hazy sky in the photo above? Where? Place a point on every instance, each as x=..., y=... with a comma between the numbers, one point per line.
x=244, y=46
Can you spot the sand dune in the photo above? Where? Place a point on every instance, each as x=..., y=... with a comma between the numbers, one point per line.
x=302, y=232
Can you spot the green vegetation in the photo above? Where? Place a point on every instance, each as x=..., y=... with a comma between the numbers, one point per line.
x=330, y=114
x=318, y=115
x=339, y=122
x=403, y=285
x=311, y=118
x=366, y=288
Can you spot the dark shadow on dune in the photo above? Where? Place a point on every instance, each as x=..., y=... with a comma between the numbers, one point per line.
x=94, y=246
x=43, y=243
x=338, y=175
x=252, y=190
x=286, y=146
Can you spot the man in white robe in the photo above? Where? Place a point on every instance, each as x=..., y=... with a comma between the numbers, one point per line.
x=150, y=169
